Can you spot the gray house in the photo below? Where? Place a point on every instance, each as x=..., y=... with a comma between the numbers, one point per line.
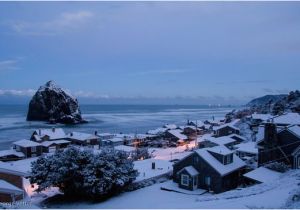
x=216, y=169
x=28, y=148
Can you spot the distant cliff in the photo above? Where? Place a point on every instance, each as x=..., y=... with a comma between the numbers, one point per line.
x=53, y=104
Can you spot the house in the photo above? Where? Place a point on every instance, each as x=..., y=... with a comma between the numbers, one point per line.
x=196, y=123
x=40, y=135
x=157, y=131
x=280, y=145
x=105, y=136
x=210, y=141
x=11, y=155
x=285, y=119
x=84, y=139
x=215, y=121
x=28, y=148
x=127, y=149
x=170, y=126
x=257, y=119
x=247, y=151
x=225, y=130
x=216, y=169
x=116, y=141
x=261, y=175
x=191, y=131
x=176, y=136
x=11, y=183
x=52, y=146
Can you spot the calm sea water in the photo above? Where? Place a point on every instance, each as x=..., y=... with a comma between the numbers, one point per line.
x=106, y=118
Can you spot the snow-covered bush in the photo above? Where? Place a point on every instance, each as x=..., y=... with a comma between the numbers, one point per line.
x=277, y=166
x=141, y=154
x=83, y=174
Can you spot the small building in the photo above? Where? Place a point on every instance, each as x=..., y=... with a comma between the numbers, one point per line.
x=11, y=155
x=247, y=152
x=210, y=141
x=52, y=146
x=216, y=169
x=176, y=135
x=225, y=130
x=196, y=123
x=170, y=126
x=41, y=135
x=280, y=145
x=285, y=119
x=11, y=183
x=84, y=139
x=116, y=141
x=261, y=175
x=105, y=136
x=28, y=148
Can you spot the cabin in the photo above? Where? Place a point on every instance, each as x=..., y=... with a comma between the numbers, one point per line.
x=52, y=146
x=11, y=183
x=285, y=119
x=247, y=152
x=28, y=148
x=215, y=169
x=191, y=131
x=225, y=130
x=41, y=135
x=210, y=141
x=280, y=145
x=257, y=119
x=176, y=136
x=10, y=155
x=84, y=139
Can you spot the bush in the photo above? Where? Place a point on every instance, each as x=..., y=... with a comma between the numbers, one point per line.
x=277, y=166
x=82, y=174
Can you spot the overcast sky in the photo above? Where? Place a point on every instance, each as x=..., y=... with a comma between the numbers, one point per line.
x=181, y=52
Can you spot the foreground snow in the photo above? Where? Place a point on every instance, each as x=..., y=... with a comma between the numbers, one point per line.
x=275, y=194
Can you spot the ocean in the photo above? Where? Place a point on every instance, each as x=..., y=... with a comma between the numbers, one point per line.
x=106, y=118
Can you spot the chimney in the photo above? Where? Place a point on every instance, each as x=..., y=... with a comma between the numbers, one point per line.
x=71, y=134
x=53, y=130
x=96, y=133
x=40, y=132
x=153, y=165
x=270, y=136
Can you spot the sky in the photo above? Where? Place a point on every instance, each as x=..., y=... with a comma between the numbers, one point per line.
x=150, y=52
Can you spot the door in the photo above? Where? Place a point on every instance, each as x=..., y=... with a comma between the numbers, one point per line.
x=195, y=182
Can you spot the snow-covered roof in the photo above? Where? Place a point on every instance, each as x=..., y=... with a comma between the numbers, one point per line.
x=157, y=131
x=26, y=143
x=4, y=153
x=199, y=123
x=290, y=118
x=215, y=128
x=295, y=129
x=249, y=147
x=81, y=136
x=6, y=187
x=124, y=148
x=223, y=170
x=53, y=133
x=222, y=140
x=263, y=175
x=48, y=143
x=222, y=150
x=261, y=116
x=238, y=136
x=105, y=134
x=116, y=139
x=170, y=126
x=177, y=133
x=191, y=170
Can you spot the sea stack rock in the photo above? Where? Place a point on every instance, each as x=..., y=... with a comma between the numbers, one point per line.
x=53, y=104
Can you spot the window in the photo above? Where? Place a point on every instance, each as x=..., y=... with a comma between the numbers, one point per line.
x=33, y=149
x=207, y=180
x=227, y=159
x=184, y=180
x=196, y=159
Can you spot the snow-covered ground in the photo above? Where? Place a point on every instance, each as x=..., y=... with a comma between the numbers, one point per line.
x=275, y=194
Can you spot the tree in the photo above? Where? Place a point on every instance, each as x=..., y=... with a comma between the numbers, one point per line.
x=141, y=154
x=81, y=174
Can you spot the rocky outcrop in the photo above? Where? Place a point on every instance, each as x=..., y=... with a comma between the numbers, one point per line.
x=53, y=104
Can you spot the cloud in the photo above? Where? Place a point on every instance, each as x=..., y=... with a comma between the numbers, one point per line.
x=12, y=92
x=9, y=64
x=65, y=21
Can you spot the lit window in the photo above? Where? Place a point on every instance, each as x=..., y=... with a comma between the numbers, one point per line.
x=184, y=180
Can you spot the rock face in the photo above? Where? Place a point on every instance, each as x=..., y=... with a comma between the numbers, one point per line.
x=53, y=104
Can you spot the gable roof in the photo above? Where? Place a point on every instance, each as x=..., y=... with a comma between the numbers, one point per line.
x=223, y=170
x=81, y=136
x=263, y=175
x=262, y=117
x=8, y=188
x=222, y=150
x=177, y=133
x=237, y=136
x=215, y=128
x=26, y=143
x=287, y=119
x=248, y=147
x=49, y=143
x=170, y=126
x=157, y=131
x=295, y=129
x=53, y=133
x=4, y=153
x=190, y=169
